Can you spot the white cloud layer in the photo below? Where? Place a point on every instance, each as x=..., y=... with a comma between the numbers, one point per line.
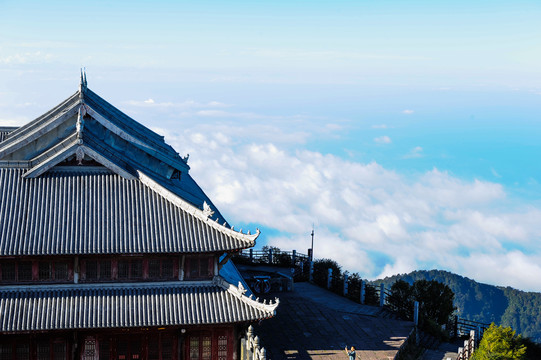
x=370, y=219
x=383, y=140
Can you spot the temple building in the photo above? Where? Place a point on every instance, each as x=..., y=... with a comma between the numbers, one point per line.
x=108, y=247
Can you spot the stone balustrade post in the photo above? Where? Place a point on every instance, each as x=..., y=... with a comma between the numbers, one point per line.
x=329, y=278
x=294, y=257
x=270, y=256
x=346, y=284
x=311, y=271
x=416, y=313
x=382, y=295
x=363, y=292
x=251, y=255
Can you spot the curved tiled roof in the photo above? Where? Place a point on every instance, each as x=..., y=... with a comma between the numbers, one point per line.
x=141, y=199
x=127, y=305
x=82, y=210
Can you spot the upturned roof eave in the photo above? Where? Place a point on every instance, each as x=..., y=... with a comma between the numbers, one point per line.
x=203, y=215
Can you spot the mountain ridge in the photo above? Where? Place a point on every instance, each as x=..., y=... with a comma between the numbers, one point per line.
x=485, y=303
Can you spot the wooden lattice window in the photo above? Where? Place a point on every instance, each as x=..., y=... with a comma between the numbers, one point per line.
x=45, y=271
x=135, y=349
x=222, y=347
x=18, y=349
x=206, y=348
x=6, y=352
x=161, y=269
x=130, y=269
x=153, y=348
x=123, y=269
x=33, y=270
x=122, y=349
x=43, y=351
x=199, y=267
x=136, y=269
x=8, y=271
x=89, y=349
x=104, y=346
x=105, y=269
x=22, y=349
x=91, y=270
x=194, y=348
x=129, y=348
x=61, y=270
x=24, y=271
x=97, y=270
x=167, y=348
x=59, y=350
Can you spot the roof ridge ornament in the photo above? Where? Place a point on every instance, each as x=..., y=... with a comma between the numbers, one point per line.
x=79, y=126
x=82, y=84
x=207, y=211
x=80, y=155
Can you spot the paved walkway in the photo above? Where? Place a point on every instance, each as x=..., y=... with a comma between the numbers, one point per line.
x=312, y=323
x=446, y=351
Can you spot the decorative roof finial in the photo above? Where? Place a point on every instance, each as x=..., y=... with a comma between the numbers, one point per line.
x=82, y=84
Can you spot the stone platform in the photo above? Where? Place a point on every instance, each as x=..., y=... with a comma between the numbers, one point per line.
x=313, y=323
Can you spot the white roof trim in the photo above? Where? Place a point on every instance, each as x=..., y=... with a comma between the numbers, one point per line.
x=198, y=213
x=239, y=291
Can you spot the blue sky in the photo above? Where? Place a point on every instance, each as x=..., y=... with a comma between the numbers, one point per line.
x=407, y=132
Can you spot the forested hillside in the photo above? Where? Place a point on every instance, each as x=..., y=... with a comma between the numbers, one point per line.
x=486, y=303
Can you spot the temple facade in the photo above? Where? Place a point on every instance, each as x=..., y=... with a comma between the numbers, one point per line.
x=108, y=247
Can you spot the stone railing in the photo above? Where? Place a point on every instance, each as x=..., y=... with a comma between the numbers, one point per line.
x=464, y=353
x=250, y=347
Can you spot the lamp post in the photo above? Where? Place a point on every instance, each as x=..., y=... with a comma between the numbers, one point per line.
x=312, y=255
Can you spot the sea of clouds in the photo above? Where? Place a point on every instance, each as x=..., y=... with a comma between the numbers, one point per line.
x=371, y=220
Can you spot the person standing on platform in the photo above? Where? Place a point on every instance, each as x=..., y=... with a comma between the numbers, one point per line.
x=350, y=353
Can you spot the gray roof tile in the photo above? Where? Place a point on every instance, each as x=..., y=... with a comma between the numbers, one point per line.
x=126, y=305
x=93, y=211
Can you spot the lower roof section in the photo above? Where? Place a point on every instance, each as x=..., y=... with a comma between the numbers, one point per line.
x=70, y=307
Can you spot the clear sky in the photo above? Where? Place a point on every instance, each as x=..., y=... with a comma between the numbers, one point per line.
x=408, y=132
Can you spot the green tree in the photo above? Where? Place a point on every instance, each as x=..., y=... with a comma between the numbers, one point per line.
x=401, y=299
x=435, y=300
x=500, y=343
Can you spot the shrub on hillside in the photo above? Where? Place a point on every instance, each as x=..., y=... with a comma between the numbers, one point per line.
x=500, y=342
x=320, y=274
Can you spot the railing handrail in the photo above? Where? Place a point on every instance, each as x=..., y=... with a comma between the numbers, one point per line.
x=473, y=322
x=246, y=252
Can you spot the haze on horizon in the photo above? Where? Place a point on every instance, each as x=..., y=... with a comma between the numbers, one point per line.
x=408, y=132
